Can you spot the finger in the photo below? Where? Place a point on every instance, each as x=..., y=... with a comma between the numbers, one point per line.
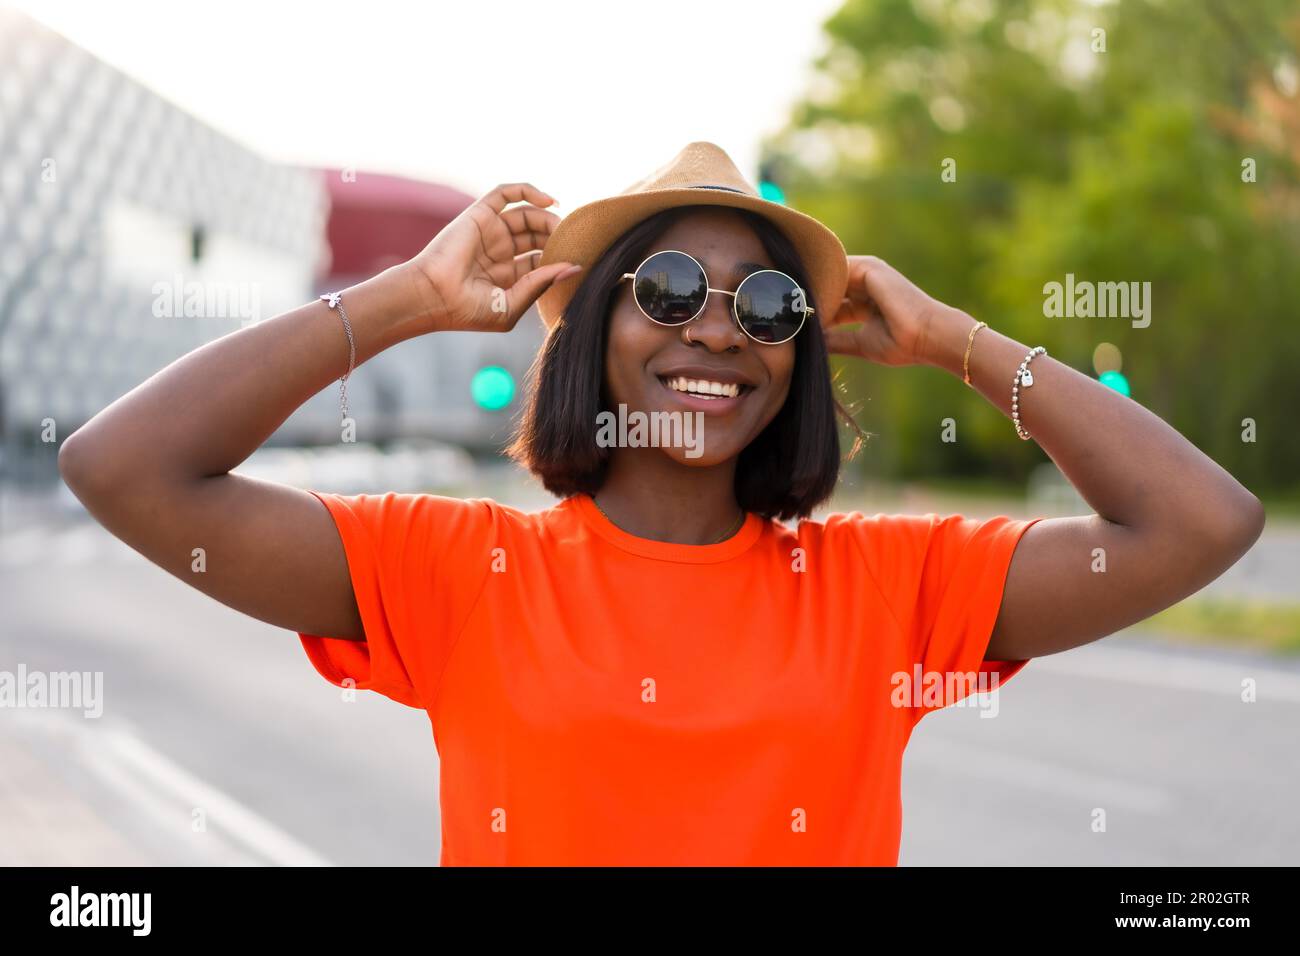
x=528, y=218
x=863, y=302
x=847, y=312
x=532, y=284
x=505, y=273
x=842, y=340
x=529, y=227
x=506, y=193
x=870, y=275
x=871, y=340
x=883, y=287
x=525, y=263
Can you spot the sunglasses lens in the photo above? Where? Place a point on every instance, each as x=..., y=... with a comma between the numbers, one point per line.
x=670, y=288
x=770, y=306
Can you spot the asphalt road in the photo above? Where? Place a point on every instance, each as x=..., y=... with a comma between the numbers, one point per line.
x=209, y=715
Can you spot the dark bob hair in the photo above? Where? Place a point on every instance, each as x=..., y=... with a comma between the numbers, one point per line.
x=785, y=472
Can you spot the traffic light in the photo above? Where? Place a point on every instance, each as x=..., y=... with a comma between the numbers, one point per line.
x=768, y=188
x=493, y=388
x=1115, y=380
x=1107, y=360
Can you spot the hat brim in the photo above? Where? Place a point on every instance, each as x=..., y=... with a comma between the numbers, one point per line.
x=585, y=234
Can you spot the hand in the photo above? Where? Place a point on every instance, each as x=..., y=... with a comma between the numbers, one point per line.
x=884, y=318
x=477, y=273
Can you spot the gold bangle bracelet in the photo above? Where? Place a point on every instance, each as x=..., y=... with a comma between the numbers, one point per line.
x=965, y=362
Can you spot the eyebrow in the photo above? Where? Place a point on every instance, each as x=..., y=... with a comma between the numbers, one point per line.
x=745, y=268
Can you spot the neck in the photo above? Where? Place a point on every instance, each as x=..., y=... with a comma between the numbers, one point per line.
x=649, y=495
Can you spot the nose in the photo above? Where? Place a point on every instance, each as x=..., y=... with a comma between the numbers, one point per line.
x=715, y=327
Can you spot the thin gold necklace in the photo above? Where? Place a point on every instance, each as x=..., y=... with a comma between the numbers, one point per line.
x=734, y=528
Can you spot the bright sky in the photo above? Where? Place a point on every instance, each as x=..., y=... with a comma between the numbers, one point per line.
x=579, y=98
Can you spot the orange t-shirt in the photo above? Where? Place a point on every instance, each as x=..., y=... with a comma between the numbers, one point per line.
x=598, y=698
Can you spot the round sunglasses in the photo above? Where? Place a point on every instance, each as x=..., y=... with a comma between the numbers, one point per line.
x=671, y=288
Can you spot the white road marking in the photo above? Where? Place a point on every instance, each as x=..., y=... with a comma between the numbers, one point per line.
x=164, y=813
x=222, y=810
x=149, y=779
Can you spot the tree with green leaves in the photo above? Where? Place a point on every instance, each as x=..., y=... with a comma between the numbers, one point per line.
x=989, y=148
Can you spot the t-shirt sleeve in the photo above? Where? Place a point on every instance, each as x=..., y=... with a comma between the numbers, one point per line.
x=418, y=563
x=943, y=577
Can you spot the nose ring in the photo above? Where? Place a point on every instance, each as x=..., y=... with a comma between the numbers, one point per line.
x=688, y=335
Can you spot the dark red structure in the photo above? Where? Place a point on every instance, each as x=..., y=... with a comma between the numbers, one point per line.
x=377, y=220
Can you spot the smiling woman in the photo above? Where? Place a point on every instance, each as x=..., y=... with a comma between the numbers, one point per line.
x=657, y=670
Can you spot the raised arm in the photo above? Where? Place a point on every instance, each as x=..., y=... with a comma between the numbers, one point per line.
x=1168, y=518
x=154, y=467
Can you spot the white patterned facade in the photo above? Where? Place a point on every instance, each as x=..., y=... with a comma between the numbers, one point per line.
x=130, y=233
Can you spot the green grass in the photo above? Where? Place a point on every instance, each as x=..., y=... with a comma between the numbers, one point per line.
x=1241, y=624
x=1279, y=507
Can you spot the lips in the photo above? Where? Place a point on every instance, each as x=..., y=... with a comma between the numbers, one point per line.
x=704, y=387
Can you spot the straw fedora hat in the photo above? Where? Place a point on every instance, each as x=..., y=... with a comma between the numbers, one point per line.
x=702, y=173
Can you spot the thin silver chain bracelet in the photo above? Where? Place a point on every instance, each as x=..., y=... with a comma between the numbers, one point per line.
x=1026, y=378
x=335, y=301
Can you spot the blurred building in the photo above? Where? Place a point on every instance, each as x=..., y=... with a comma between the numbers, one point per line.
x=132, y=233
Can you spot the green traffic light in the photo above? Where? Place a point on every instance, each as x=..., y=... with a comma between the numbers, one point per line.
x=492, y=387
x=771, y=192
x=1115, y=380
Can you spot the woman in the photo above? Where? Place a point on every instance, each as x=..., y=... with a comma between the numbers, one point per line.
x=657, y=670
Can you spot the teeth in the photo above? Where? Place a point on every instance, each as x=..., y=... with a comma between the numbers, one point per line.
x=704, y=388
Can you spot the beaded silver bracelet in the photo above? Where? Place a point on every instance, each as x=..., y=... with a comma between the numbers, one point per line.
x=335, y=301
x=1026, y=378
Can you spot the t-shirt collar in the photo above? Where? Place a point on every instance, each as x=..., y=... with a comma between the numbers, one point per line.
x=738, y=543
